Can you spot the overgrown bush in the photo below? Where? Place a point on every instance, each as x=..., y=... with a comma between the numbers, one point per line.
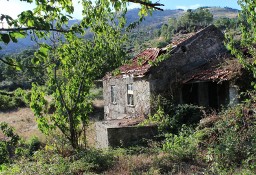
x=170, y=117
x=9, y=103
x=184, y=145
x=24, y=95
x=34, y=145
x=232, y=141
x=187, y=114
x=13, y=100
x=8, y=144
x=47, y=162
x=4, y=155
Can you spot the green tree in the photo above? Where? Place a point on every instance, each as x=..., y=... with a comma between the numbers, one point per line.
x=244, y=48
x=27, y=74
x=74, y=64
x=222, y=23
x=202, y=17
x=192, y=19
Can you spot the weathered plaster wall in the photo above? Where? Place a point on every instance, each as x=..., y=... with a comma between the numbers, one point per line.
x=121, y=109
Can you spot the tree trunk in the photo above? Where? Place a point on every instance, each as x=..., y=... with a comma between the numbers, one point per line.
x=73, y=134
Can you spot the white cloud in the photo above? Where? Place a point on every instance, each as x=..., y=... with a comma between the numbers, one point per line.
x=133, y=5
x=184, y=7
x=78, y=8
x=14, y=7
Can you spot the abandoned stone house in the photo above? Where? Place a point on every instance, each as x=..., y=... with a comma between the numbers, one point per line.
x=191, y=71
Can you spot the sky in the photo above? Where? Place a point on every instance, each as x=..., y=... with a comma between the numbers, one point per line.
x=14, y=7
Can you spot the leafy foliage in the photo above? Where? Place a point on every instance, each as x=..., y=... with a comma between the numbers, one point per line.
x=184, y=145
x=13, y=100
x=73, y=66
x=231, y=141
x=46, y=162
x=170, y=117
x=7, y=146
x=244, y=48
x=18, y=69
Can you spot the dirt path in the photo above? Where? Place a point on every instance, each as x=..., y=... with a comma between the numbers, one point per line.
x=23, y=121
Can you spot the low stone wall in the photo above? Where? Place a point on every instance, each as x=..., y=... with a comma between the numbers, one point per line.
x=109, y=134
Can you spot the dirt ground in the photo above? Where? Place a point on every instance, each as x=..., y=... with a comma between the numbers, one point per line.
x=23, y=121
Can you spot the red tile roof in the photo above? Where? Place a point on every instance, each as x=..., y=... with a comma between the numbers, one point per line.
x=140, y=64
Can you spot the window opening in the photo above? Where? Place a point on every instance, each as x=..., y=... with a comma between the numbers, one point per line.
x=130, y=97
x=113, y=94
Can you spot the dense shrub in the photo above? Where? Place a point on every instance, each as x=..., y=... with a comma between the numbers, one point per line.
x=4, y=155
x=34, y=145
x=232, y=142
x=13, y=100
x=186, y=114
x=9, y=103
x=8, y=144
x=184, y=145
x=170, y=117
x=47, y=162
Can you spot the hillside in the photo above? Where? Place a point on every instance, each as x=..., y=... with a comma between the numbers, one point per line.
x=159, y=17
x=151, y=22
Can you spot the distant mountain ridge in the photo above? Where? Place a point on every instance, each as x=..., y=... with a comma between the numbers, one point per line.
x=152, y=22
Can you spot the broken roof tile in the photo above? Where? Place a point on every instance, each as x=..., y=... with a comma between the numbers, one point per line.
x=212, y=74
x=140, y=64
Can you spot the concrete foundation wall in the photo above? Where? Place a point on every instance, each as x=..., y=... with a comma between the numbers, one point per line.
x=114, y=136
x=101, y=135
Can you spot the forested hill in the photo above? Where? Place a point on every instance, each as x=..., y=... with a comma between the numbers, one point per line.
x=159, y=17
x=23, y=44
x=151, y=22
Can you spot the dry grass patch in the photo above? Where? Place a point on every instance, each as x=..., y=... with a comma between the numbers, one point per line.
x=23, y=120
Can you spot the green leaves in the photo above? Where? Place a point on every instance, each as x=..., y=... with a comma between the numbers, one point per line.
x=41, y=54
x=72, y=63
x=12, y=36
x=247, y=42
x=5, y=38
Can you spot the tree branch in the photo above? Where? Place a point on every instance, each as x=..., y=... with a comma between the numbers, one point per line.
x=30, y=67
x=8, y=63
x=148, y=4
x=32, y=28
x=61, y=95
x=79, y=93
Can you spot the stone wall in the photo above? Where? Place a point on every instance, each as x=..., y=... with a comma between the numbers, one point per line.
x=121, y=109
x=201, y=49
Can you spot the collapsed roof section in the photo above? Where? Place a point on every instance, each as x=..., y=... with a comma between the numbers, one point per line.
x=215, y=73
x=212, y=74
